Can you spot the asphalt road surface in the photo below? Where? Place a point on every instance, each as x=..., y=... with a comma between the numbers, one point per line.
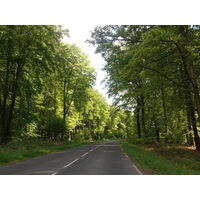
x=106, y=158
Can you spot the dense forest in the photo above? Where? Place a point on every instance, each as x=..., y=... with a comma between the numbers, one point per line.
x=154, y=71
x=153, y=74
x=46, y=90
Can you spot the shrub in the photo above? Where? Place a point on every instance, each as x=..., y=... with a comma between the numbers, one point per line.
x=56, y=127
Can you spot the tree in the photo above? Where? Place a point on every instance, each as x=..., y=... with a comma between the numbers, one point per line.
x=95, y=115
x=27, y=53
x=151, y=65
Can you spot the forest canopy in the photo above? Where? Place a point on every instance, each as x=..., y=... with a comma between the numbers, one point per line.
x=153, y=74
x=46, y=89
x=154, y=71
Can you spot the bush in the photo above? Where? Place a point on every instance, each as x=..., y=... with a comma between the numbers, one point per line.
x=56, y=127
x=78, y=138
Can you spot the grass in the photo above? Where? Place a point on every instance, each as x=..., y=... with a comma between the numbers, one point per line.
x=164, y=159
x=19, y=151
x=153, y=159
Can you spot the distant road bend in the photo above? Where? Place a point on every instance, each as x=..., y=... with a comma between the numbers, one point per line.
x=106, y=158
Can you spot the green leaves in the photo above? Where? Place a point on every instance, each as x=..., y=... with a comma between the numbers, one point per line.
x=33, y=69
x=151, y=69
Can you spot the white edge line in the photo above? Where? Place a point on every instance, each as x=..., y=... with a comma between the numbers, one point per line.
x=125, y=155
x=137, y=169
x=133, y=164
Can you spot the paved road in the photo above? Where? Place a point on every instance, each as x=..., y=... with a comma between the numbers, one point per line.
x=105, y=158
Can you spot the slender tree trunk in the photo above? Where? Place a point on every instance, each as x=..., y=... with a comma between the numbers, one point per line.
x=64, y=106
x=66, y=88
x=138, y=119
x=194, y=126
x=164, y=111
x=69, y=138
x=190, y=139
x=64, y=100
x=90, y=129
x=55, y=102
x=156, y=127
x=157, y=133
x=143, y=114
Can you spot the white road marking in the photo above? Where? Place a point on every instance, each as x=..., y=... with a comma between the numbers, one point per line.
x=137, y=169
x=125, y=155
x=133, y=164
x=66, y=166
x=70, y=163
x=84, y=154
x=76, y=160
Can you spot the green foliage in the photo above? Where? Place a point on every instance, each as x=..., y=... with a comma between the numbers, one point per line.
x=78, y=138
x=27, y=55
x=42, y=80
x=55, y=127
x=153, y=71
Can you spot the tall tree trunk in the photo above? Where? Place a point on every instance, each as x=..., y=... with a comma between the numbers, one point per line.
x=69, y=138
x=189, y=78
x=64, y=107
x=190, y=105
x=195, y=88
x=196, y=136
x=138, y=119
x=192, y=74
x=12, y=105
x=190, y=139
x=64, y=99
x=55, y=102
x=4, y=113
x=157, y=133
x=90, y=129
x=156, y=127
x=143, y=114
x=164, y=110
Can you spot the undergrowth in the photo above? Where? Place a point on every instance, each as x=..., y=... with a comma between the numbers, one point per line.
x=19, y=151
x=163, y=159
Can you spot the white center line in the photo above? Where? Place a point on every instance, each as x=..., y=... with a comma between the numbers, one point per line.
x=84, y=154
x=70, y=163
x=66, y=166
x=76, y=159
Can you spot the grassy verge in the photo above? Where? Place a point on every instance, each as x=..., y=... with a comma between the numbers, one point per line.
x=19, y=151
x=162, y=159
